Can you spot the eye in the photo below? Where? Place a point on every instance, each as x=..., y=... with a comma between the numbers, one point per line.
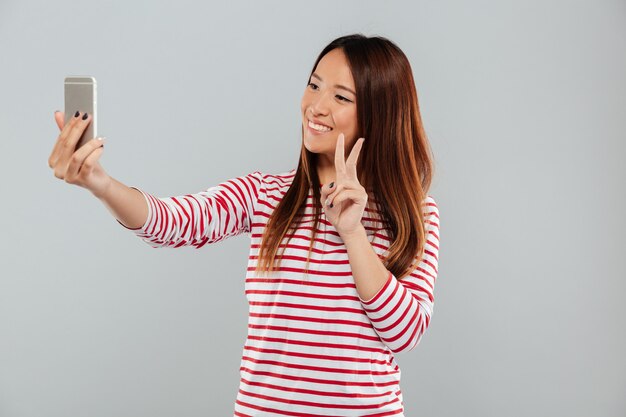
x=342, y=98
x=313, y=86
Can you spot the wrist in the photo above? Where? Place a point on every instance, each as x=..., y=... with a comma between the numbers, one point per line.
x=102, y=194
x=356, y=234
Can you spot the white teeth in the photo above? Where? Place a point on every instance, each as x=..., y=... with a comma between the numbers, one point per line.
x=319, y=128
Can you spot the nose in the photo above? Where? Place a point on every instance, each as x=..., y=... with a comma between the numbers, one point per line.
x=320, y=105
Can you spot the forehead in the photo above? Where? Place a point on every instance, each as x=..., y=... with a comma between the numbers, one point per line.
x=334, y=68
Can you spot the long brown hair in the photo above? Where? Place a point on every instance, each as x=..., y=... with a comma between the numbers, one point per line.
x=395, y=162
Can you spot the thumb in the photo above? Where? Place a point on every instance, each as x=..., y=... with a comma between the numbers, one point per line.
x=59, y=117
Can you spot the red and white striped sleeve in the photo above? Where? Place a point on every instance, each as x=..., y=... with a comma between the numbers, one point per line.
x=206, y=217
x=401, y=310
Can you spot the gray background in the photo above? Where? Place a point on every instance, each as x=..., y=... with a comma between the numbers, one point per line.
x=524, y=103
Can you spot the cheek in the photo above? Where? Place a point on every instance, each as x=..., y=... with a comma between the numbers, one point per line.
x=348, y=120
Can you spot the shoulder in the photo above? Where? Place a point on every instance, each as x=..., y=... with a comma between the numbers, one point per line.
x=430, y=203
x=431, y=212
x=264, y=181
x=278, y=180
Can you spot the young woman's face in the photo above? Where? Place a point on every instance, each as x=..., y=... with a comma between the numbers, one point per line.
x=329, y=106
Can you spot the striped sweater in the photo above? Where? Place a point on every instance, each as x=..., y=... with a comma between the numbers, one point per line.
x=314, y=347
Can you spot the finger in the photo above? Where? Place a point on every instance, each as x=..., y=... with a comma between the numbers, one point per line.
x=80, y=156
x=87, y=167
x=59, y=117
x=59, y=146
x=77, y=130
x=73, y=136
x=67, y=127
x=340, y=162
x=330, y=197
x=326, y=190
x=353, y=157
x=355, y=196
x=60, y=138
x=344, y=186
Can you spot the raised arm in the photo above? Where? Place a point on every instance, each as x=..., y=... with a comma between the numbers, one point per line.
x=401, y=310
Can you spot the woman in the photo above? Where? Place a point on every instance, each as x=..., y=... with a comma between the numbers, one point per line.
x=335, y=289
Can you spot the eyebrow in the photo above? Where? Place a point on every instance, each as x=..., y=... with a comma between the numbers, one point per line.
x=336, y=85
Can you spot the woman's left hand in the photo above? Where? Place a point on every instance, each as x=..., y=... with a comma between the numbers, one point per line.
x=345, y=202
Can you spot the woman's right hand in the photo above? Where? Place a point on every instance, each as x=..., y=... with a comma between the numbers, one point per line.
x=78, y=166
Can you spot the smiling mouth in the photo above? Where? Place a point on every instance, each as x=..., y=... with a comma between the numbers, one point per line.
x=319, y=128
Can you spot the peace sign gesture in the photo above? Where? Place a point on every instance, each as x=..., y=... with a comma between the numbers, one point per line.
x=344, y=202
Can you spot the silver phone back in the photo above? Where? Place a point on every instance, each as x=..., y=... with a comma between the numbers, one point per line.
x=80, y=94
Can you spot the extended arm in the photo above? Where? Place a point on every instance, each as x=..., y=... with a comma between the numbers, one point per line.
x=197, y=219
x=126, y=204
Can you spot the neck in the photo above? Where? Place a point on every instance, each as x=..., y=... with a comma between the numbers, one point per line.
x=325, y=170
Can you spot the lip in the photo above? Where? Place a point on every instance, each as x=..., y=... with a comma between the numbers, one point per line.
x=317, y=122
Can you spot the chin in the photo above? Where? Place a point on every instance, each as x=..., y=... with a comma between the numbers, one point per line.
x=309, y=147
x=314, y=148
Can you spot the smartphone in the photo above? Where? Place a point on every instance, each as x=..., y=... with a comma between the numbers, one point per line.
x=80, y=94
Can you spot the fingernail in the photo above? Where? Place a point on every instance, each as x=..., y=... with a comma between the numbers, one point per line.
x=56, y=111
x=85, y=116
x=331, y=205
x=331, y=184
x=102, y=138
x=77, y=113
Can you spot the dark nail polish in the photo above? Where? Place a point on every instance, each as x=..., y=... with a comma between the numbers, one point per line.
x=77, y=113
x=331, y=184
x=85, y=116
x=331, y=205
